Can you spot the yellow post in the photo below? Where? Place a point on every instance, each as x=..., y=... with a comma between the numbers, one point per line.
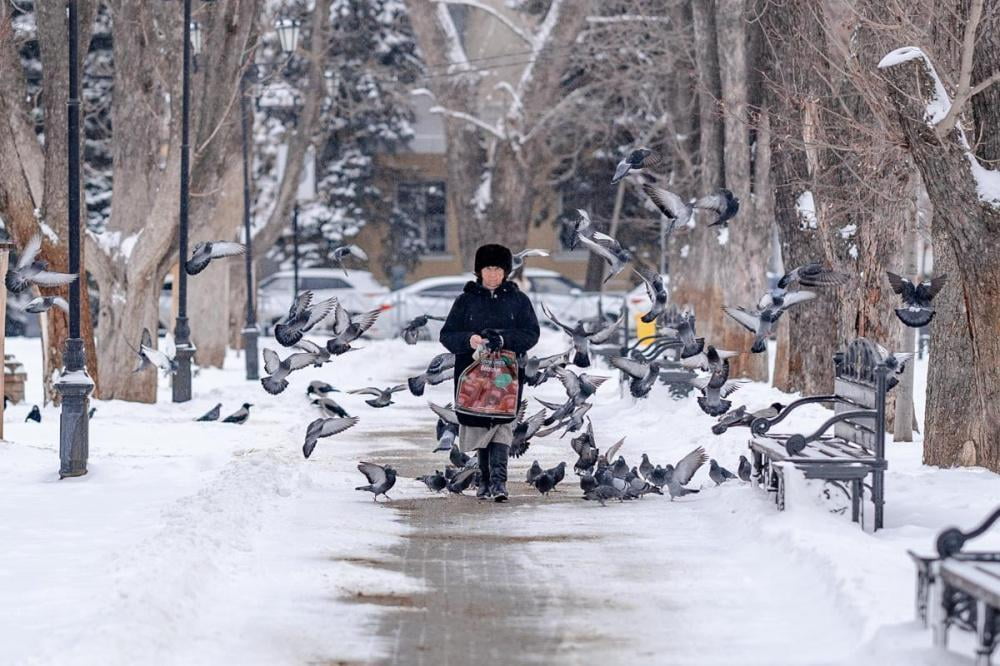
x=642, y=329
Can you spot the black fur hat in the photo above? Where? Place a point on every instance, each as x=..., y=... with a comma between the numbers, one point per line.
x=493, y=254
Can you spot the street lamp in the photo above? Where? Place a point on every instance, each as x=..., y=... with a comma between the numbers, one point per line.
x=74, y=385
x=288, y=34
x=181, y=379
x=250, y=332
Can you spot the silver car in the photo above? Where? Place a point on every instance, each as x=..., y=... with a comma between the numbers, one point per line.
x=358, y=291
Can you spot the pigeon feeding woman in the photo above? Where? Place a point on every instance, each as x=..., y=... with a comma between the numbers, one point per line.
x=490, y=314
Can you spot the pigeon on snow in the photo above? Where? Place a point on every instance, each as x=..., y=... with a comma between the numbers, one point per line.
x=380, y=479
x=240, y=416
x=212, y=414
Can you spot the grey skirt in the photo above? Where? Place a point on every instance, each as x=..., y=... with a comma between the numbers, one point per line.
x=471, y=438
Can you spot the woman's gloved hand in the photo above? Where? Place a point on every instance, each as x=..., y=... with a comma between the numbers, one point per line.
x=493, y=339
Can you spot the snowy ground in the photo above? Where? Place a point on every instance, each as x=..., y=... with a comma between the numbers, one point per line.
x=199, y=543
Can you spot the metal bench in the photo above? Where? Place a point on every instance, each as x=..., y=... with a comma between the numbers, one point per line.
x=960, y=589
x=847, y=456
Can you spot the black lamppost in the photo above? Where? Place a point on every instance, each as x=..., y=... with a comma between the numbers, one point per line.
x=181, y=380
x=74, y=385
x=295, y=248
x=250, y=332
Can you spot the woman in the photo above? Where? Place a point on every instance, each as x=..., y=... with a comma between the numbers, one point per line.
x=491, y=314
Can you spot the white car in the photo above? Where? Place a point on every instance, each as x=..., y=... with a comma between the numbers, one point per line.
x=358, y=291
x=434, y=296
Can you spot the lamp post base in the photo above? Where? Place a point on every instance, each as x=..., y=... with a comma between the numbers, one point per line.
x=181, y=383
x=250, y=335
x=74, y=388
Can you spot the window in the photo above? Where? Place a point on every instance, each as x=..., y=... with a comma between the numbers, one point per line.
x=424, y=203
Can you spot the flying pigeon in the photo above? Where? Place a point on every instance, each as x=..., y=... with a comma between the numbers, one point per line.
x=150, y=357
x=458, y=458
x=435, y=482
x=34, y=415
x=330, y=408
x=583, y=339
x=636, y=160
x=538, y=370
x=641, y=375
x=384, y=398
x=212, y=414
x=741, y=417
x=447, y=427
x=712, y=397
x=677, y=477
x=205, y=251
x=718, y=473
x=712, y=360
x=28, y=271
x=813, y=274
x=325, y=427
x=240, y=416
x=320, y=354
x=917, y=298
x=347, y=329
x=344, y=250
x=524, y=430
x=380, y=479
x=301, y=317
x=606, y=248
x=761, y=322
x=672, y=206
x=279, y=369
x=586, y=450
x=321, y=388
x=657, y=291
x=722, y=203
x=517, y=259
x=416, y=384
x=411, y=331
x=43, y=303
x=441, y=362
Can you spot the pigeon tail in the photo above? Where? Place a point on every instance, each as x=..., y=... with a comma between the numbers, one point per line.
x=581, y=360
x=308, y=447
x=714, y=410
x=417, y=384
x=286, y=336
x=274, y=386
x=915, y=318
x=193, y=268
x=759, y=345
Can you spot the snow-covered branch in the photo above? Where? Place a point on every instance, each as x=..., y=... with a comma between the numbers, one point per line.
x=517, y=108
x=964, y=91
x=513, y=27
x=539, y=42
x=454, y=51
x=628, y=18
x=461, y=115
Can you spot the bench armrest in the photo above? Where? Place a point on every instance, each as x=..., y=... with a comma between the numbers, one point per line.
x=796, y=443
x=951, y=540
x=761, y=425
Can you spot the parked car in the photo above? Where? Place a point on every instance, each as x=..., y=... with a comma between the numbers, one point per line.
x=565, y=299
x=358, y=291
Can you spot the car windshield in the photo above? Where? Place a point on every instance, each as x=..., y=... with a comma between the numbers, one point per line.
x=552, y=285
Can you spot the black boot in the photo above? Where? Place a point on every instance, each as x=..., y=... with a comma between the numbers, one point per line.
x=498, y=471
x=483, y=492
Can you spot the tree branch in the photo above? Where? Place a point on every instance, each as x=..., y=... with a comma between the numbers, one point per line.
x=965, y=75
x=454, y=51
x=461, y=115
x=513, y=27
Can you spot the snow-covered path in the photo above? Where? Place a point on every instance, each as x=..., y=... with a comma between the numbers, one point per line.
x=205, y=543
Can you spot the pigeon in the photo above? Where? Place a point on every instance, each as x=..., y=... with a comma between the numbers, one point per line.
x=544, y=483
x=581, y=338
x=572, y=423
x=441, y=362
x=344, y=250
x=320, y=388
x=278, y=369
x=533, y=472
x=636, y=487
x=677, y=477
x=447, y=427
x=320, y=354
x=813, y=274
x=330, y=408
x=916, y=297
x=435, y=482
x=579, y=387
x=761, y=322
x=150, y=357
x=712, y=360
x=588, y=482
x=641, y=375
x=741, y=417
x=212, y=414
x=28, y=271
x=524, y=430
x=744, y=469
x=380, y=479
x=658, y=476
x=671, y=205
x=517, y=259
x=646, y=467
x=43, y=303
x=411, y=331
x=462, y=480
x=459, y=458
x=558, y=473
x=538, y=370
x=607, y=248
x=895, y=361
x=384, y=398
x=712, y=397
x=604, y=493
x=586, y=450
x=325, y=427
x=718, y=473
x=690, y=345
x=636, y=160
x=34, y=415
x=656, y=289
x=205, y=251
x=347, y=329
x=301, y=317
x=723, y=203
x=417, y=384
x=620, y=469
x=240, y=416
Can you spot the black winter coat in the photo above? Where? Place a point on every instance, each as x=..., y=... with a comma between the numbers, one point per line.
x=505, y=309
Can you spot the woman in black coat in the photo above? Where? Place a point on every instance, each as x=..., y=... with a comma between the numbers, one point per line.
x=491, y=314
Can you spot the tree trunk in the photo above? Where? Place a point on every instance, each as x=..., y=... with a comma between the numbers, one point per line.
x=905, y=417
x=965, y=394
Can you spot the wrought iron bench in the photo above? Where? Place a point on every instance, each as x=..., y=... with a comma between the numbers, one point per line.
x=960, y=589
x=854, y=450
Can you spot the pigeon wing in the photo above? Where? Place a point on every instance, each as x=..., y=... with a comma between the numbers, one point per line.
x=29, y=252
x=158, y=358
x=731, y=387
x=356, y=251
x=534, y=423
x=445, y=414
x=742, y=317
x=308, y=346
x=227, y=249
x=669, y=203
x=397, y=388
x=689, y=464
x=935, y=286
x=368, y=390
x=532, y=252
x=631, y=368
x=610, y=455
x=320, y=311
x=146, y=340
x=797, y=297
x=300, y=360
x=900, y=285
x=552, y=318
x=715, y=202
x=604, y=334
x=597, y=248
x=374, y=473
x=271, y=361
x=333, y=426
x=366, y=320
x=569, y=380
x=52, y=279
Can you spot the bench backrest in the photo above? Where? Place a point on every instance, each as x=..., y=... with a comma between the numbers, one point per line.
x=858, y=380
